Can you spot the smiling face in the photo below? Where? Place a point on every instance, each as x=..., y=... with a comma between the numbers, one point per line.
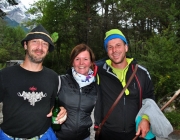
x=82, y=62
x=116, y=50
x=36, y=50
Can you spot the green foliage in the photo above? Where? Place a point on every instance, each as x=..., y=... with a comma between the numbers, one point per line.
x=72, y=21
x=174, y=118
x=54, y=37
x=151, y=27
x=161, y=57
x=10, y=46
x=4, y=54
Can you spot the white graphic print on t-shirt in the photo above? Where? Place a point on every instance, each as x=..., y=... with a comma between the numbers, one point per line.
x=33, y=96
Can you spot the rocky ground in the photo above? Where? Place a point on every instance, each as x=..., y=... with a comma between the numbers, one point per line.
x=173, y=136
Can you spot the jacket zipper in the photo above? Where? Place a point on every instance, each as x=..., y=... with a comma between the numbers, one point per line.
x=124, y=124
x=77, y=122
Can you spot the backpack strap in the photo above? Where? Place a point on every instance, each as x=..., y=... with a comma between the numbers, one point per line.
x=139, y=87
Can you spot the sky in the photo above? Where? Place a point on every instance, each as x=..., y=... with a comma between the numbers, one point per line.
x=28, y=2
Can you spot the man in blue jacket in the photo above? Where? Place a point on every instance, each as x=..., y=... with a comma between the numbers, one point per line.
x=113, y=75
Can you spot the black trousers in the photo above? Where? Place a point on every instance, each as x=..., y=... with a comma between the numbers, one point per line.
x=111, y=135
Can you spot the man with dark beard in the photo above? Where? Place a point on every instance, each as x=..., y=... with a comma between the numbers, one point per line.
x=28, y=91
x=113, y=75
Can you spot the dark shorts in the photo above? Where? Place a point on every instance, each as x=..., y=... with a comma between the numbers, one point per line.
x=111, y=135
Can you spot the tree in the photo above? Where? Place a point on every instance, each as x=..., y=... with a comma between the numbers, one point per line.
x=162, y=59
x=72, y=20
x=10, y=47
x=144, y=23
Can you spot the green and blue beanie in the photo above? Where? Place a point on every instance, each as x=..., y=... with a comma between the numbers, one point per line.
x=112, y=34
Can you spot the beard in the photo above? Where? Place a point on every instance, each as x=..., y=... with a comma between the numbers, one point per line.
x=34, y=58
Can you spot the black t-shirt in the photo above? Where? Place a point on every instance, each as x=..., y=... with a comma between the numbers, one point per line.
x=27, y=98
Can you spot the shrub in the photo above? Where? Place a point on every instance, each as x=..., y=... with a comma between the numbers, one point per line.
x=174, y=118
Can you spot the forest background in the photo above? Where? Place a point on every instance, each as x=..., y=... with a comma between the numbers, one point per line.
x=152, y=28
